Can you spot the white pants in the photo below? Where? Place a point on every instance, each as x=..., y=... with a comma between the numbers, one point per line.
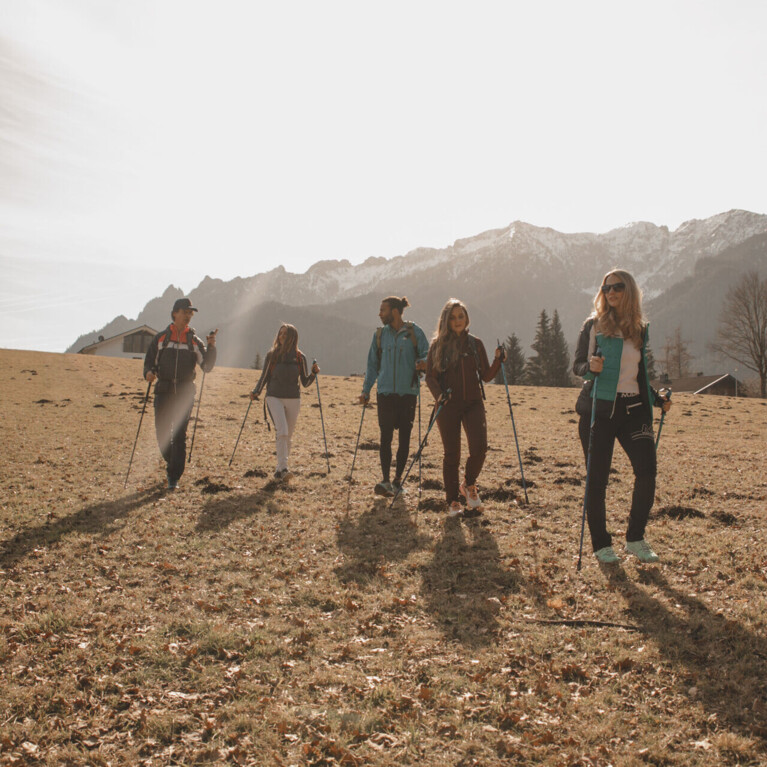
x=284, y=414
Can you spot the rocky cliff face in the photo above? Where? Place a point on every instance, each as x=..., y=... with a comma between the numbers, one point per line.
x=505, y=275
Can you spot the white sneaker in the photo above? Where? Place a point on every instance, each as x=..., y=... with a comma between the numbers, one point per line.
x=469, y=492
x=454, y=509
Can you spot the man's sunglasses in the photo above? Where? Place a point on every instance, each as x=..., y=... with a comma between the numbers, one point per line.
x=618, y=287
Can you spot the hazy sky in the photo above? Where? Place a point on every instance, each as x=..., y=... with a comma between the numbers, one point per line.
x=171, y=139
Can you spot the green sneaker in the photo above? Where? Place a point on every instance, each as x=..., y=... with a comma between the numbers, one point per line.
x=385, y=489
x=607, y=556
x=642, y=551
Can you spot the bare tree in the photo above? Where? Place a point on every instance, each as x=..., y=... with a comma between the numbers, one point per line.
x=676, y=355
x=742, y=332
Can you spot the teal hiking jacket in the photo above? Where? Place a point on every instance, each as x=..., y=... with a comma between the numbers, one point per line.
x=396, y=372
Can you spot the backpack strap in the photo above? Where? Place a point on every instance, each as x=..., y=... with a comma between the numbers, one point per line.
x=379, y=350
x=165, y=336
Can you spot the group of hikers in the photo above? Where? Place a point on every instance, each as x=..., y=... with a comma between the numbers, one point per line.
x=615, y=401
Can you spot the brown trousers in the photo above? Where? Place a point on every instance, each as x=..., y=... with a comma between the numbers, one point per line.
x=472, y=415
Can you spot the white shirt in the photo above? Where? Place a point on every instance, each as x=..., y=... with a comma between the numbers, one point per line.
x=627, y=381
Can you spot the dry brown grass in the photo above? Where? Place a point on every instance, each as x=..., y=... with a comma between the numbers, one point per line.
x=235, y=622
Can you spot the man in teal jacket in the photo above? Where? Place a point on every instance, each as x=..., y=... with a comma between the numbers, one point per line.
x=397, y=355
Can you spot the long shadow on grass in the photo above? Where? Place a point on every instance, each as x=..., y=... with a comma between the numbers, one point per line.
x=463, y=584
x=96, y=519
x=377, y=536
x=726, y=662
x=221, y=512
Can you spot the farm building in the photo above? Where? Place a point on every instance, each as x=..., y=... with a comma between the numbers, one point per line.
x=725, y=384
x=131, y=344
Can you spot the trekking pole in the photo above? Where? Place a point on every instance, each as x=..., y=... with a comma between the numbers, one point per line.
x=143, y=410
x=598, y=353
x=514, y=427
x=438, y=408
x=420, y=479
x=354, y=457
x=197, y=414
x=240, y=434
x=666, y=394
x=196, y=417
x=322, y=420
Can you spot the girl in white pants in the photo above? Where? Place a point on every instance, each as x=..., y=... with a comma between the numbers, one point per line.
x=284, y=366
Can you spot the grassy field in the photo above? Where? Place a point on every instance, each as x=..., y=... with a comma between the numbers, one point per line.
x=241, y=622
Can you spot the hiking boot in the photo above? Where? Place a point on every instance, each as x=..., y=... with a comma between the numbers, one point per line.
x=385, y=489
x=469, y=492
x=454, y=509
x=642, y=551
x=607, y=555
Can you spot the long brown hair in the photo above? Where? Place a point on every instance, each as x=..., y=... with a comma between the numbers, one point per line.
x=630, y=321
x=444, y=349
x=287, y=350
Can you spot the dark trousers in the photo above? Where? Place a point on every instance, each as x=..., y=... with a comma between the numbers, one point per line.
x=471, y=415
x=172, y=411
x=629, y=425
x=395, y=411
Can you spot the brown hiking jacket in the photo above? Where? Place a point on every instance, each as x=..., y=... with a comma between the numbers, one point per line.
x=461, y=377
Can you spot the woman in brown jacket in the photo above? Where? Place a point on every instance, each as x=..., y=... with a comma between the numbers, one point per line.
x=458, y=362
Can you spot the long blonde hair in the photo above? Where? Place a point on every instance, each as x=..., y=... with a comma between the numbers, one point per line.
x=630, y=321
x=444, y=349
x=287, y=350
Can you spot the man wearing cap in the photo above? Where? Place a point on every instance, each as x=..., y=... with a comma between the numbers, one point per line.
x=170, y=360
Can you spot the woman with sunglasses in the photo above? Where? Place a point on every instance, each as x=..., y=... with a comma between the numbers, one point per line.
x=611, y=355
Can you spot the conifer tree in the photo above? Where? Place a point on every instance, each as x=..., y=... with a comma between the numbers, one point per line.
x=537, y=367
x=559, y=358
x=515, y=361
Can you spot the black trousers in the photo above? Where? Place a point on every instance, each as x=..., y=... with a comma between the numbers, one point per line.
x=172, y=411
x=629, y=425
x=395, y=411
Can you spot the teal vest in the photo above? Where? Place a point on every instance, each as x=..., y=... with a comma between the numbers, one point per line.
x=612, y=349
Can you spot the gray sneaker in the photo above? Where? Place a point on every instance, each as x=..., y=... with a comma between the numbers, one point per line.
x=607, y=555
x=385, y=489
x=642, y=551
x=397, y=488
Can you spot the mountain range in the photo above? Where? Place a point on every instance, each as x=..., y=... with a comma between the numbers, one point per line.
x=506, y=277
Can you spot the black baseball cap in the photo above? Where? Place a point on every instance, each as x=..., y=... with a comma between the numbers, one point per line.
x=183, y=303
